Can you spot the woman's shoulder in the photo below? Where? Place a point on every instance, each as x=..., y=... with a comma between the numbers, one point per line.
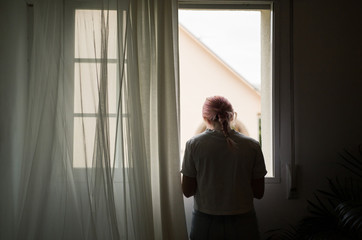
x=239, y=137
x=198, y=137
x=203, y=137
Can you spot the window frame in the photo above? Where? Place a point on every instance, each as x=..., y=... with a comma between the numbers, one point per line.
x=69, y=54
x=282, y=87
x=282, y=75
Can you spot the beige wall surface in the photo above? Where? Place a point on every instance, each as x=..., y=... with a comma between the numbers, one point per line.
x=203, y=74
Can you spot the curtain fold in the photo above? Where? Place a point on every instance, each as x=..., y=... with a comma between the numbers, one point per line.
x=101, y=156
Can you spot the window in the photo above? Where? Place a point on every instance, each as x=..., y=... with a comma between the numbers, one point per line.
x=227, y=50
x=88, y=72
x=266, y=116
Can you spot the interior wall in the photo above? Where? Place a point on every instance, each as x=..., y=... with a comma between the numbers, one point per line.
x=13, y=79
x=327, y=70
x=328, y=83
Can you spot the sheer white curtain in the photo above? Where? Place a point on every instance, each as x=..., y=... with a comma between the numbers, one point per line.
x=101, y=157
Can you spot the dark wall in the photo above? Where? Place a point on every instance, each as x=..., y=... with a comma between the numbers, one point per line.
x=13, y=83
x=327, y=64
x=328, y=82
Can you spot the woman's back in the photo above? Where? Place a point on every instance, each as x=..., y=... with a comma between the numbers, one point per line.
x=223, y=172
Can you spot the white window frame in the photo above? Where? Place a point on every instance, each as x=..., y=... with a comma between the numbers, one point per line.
x=282, y=69
x=282, y=81
x=70, y=9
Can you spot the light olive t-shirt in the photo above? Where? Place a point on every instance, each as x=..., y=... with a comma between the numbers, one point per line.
x=223, y=173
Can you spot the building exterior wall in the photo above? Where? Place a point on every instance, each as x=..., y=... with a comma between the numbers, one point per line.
x=203, y=74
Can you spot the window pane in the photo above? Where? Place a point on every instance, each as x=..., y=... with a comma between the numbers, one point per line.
x=86, y=87
x=84, y=140
x=88, y=26
x=225, y=52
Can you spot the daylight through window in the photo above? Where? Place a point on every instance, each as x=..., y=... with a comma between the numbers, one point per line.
x=227, y=52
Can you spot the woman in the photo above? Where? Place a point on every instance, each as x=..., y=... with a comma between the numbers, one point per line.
x=224, y=170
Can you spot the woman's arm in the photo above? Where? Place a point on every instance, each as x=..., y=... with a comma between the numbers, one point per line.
x=258, y=187
x=189, y=185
